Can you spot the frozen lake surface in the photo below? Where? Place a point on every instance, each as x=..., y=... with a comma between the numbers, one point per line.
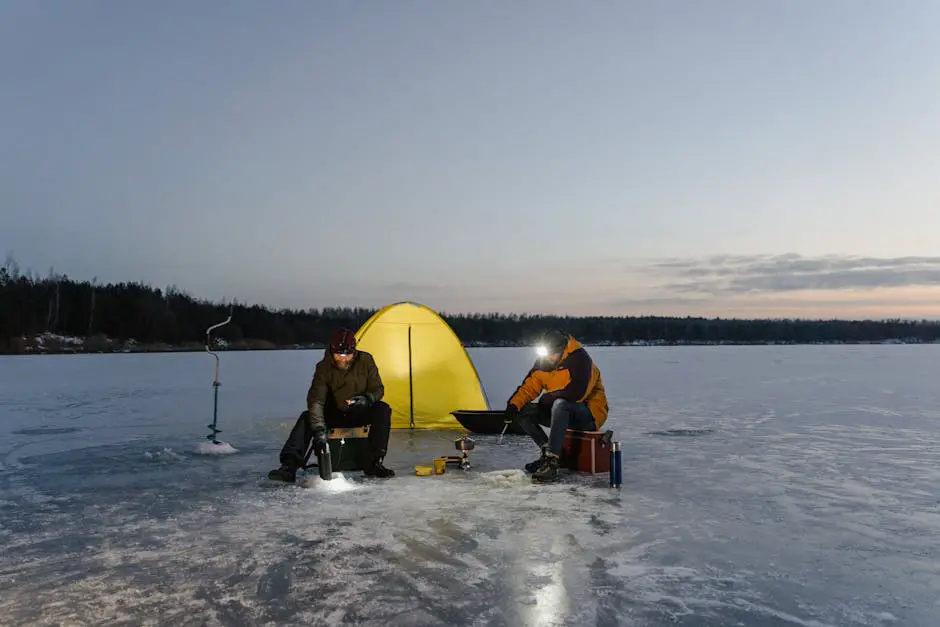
x=762, y=486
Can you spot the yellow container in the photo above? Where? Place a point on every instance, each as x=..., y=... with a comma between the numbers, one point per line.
x=440, y=465
x=422, y=471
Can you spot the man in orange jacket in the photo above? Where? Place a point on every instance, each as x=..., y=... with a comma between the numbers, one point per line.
x=572, y=397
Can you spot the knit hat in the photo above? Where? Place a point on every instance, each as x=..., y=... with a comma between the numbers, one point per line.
x=555, y=341
x=342, y=341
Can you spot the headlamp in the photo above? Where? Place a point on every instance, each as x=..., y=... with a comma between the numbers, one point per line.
x=541, y=351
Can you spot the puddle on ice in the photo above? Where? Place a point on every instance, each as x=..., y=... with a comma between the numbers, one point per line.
x=681, y=432
x=46, y=431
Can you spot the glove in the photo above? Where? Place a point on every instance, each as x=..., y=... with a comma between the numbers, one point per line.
x=510, y=412
x=360, y=401
x=319, y=441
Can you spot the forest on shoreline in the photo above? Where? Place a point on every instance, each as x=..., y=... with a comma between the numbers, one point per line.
x=60, y=315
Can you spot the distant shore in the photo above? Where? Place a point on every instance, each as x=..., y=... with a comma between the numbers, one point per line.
x=59, y=315
x=54, y=344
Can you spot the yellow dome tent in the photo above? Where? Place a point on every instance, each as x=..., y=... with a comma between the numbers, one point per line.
x=426, y=371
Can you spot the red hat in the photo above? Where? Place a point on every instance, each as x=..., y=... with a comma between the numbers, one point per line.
x=342, y=341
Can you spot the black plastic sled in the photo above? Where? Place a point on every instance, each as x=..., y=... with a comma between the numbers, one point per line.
x=485, y=421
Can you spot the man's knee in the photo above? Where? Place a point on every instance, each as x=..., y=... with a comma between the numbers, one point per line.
x=382, y=411
x=561, y=404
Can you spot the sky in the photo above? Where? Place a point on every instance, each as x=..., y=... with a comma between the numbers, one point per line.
x=722, y=158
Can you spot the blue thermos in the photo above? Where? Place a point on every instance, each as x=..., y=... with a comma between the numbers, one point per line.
x=615, y=467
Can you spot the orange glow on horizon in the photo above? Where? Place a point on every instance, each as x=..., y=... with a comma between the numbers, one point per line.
x=873, y=304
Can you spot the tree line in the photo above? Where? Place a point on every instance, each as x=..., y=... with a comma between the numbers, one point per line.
x=115, y=316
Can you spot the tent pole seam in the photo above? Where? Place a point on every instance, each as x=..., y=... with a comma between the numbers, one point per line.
x=411, y=393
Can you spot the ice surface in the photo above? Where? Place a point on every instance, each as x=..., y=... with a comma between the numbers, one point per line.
x=508, y=478
x=337, y=483
x=211, y=448
x=762, y=486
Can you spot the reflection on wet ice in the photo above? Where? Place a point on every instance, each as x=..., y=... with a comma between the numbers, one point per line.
x=551, y=599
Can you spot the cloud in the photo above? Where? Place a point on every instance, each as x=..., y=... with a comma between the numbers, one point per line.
x=752, y=274
x=781, y=302
x=723, y=285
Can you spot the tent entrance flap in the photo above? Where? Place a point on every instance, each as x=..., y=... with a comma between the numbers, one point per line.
x=426, y=370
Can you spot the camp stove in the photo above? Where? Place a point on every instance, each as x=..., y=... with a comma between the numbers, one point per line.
x=464, y=444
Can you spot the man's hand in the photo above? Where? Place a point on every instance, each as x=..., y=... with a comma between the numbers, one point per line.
x=319, y=441
x=360, y=401
x=510, y=412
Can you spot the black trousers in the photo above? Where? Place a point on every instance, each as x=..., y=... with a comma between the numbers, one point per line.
x=378, y=417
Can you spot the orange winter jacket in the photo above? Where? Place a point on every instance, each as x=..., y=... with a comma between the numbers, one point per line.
x=575, y=378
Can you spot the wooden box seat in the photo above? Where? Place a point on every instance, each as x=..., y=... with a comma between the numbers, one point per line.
x=348, y=433
x=586, y=451
x=349, y=447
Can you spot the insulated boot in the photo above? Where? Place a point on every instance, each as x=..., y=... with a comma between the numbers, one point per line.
x=547, y=471
x=287, y=474
x=378, y=470
x=535, y=465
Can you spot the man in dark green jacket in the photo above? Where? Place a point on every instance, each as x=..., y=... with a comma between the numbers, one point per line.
x=346, y=391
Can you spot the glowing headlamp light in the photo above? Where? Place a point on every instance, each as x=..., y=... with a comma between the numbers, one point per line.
x=541, y=351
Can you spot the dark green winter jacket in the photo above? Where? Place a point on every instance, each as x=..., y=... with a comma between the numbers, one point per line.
x=362, y=377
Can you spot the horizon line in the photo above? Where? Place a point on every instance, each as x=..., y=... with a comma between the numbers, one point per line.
x=235, y=302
